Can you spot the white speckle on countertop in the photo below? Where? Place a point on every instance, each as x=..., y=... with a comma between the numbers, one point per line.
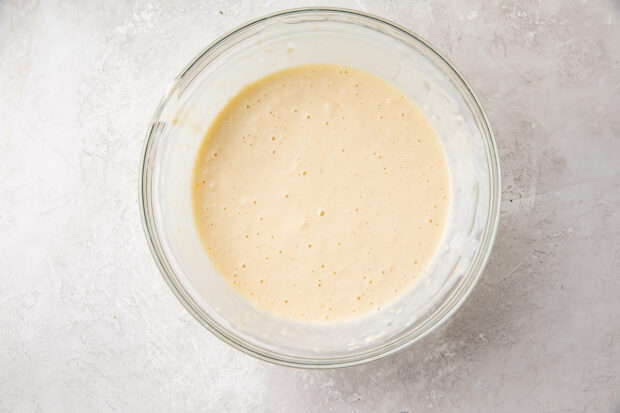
x=88, y=324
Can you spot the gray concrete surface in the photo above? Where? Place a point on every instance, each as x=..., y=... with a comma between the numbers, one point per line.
x=88, y=324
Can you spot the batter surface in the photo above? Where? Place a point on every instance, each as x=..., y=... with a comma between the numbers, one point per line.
x=320, y=193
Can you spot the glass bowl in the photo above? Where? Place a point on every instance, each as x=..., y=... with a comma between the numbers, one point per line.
x=291, y=38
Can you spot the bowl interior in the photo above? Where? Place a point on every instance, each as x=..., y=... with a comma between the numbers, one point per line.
x=291, y=39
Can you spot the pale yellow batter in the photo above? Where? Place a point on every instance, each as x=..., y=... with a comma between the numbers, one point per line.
x=320, y=193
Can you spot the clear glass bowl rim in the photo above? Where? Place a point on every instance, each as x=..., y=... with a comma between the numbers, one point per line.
x=447, y=308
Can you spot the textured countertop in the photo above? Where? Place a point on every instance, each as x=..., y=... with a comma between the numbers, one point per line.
x=88, y=324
